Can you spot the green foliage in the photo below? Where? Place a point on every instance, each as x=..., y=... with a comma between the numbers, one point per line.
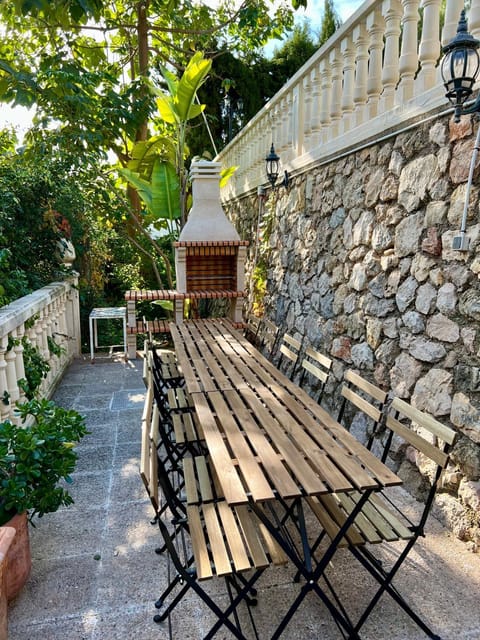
x=13, y=282
x=330, y=22
x=259, y=288
x=55, y=348
x=161, y=194
x=294, y=52
x=34, y=459
x=36, y=369
x=163, y=189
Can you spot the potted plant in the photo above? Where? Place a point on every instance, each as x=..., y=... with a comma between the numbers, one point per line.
x=34, y=459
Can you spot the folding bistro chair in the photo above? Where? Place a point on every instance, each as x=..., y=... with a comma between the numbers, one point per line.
x=381, y=519
x=252, y=328
x=268, y=336
x=164, y=363
x=315, y=369
x=367, y=401
x=213, y=539
x=289, y=350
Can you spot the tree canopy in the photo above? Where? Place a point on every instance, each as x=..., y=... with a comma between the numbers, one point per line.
x=97, y=74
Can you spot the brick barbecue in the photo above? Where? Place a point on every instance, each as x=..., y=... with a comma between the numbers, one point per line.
x=209, y=255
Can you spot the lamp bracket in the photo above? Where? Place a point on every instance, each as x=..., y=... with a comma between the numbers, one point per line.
x=473, y=108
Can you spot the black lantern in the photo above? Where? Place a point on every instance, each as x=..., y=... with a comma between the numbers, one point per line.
x=460, y=68
x=272, y=166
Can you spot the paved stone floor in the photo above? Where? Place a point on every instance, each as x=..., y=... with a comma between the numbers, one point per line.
x=95, y=575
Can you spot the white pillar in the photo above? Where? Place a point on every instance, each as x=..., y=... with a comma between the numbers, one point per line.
x=5, y=405
x=335, y=106
x=307, y=112
x=360, y=38
x=393, y=13
x=375, y=28
x=409, y=52
x=11, y=373
x=348, y=53
x=474, y=19
x=19, y=363
x=315, y=117
x=326, y=93
x=429, y=50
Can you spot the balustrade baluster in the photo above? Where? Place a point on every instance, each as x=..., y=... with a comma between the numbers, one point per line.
x=19, y=363
x=409, y=51
x=284, y=124
x=429, y=50
x=62, y=328
x=315, y=108
x=474, y=18
x=452, y=15
x=360, y=38
x=392, y=11
x=335, y=106
x=11, y=373
x=5, y=405
x=375, y=27
x=299, y=114
x=348, y=54
x=307, y=112
x=289, y=122
x=326, y=84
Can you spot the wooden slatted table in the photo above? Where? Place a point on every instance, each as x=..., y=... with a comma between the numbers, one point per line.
x=262, y=429
x=269, y=442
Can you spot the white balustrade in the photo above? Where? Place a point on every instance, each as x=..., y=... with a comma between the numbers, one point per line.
x=376, y=73
x=51, y=312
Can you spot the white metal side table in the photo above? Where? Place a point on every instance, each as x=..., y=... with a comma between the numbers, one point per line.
x=106, y=313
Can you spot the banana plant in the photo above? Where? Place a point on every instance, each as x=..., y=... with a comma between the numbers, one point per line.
x=157, y=167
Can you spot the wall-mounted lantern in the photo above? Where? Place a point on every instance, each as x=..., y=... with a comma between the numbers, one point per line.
x=272, y=167
x=460, y=68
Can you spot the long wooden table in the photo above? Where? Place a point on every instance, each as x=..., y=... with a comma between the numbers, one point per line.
x=269, y=442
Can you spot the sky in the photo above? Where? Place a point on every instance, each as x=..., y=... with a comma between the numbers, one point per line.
x=20, y=117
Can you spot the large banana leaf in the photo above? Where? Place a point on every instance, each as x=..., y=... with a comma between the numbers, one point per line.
x=188, y=85
x=145, y=152
x=162, y=194
x=166, y=191
x=179, y=106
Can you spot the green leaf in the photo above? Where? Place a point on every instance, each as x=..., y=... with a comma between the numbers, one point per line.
x=165, y=191
x=190, y=82
x=166, y=109
x=226, y=174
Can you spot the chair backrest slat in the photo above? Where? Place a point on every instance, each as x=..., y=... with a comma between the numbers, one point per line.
x=314, y=370
x=364, y=396
x=365, y=385
x=424, y=420
x=427, y=448
x=316, y=365
x=362, y=404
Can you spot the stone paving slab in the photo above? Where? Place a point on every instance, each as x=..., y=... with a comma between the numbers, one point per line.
x=96, y=575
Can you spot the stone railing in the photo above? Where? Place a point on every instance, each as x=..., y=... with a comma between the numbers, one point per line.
x=373, y=75
x=51, y=312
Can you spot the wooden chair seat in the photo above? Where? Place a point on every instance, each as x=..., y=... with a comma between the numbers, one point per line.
x=179, y=400
x=377, y=522
x=230, y=539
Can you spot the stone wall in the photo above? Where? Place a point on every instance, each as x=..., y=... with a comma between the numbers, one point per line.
x=360, y=265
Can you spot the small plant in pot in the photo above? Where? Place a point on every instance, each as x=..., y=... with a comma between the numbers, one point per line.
x=34, y=460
